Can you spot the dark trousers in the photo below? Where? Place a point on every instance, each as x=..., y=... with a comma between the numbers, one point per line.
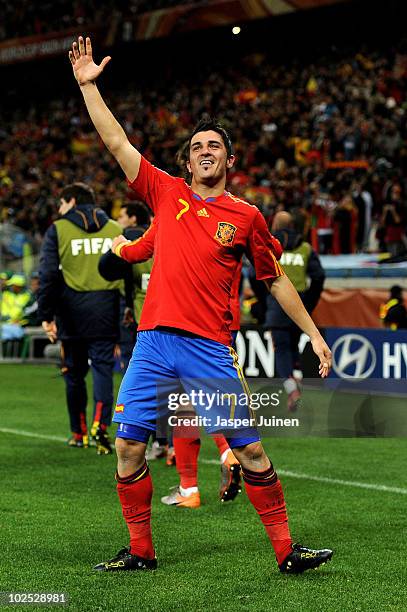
x=76, y=355
x=287, y=356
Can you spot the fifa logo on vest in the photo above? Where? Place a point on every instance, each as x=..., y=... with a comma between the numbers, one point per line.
x=292, y=259
x=90, y=246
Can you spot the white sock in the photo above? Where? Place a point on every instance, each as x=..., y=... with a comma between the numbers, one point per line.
x=290, y=385
x=187, y=492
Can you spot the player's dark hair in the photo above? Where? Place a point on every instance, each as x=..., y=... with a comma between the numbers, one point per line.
x=205, y=125
x=82, y=193
x=138, y=210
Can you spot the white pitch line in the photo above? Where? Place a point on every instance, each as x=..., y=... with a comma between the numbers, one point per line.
x=343, y=483
x=31, y=434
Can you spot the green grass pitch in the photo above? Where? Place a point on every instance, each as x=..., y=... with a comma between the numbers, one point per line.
x=59, y=515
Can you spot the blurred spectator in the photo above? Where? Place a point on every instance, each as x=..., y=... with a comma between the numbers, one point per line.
x=394, y=313
x=24, y=18
x=34, y=283
x=31, y=310
x=323, y=207
x=345, y=217
x=14, y=301
x=364, y=202
x=392, y=223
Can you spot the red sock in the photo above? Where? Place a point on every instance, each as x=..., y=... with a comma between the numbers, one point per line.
x=135, y=493
x=221, y=443
x=84, y=428
x=266, y=494
x=186, y=452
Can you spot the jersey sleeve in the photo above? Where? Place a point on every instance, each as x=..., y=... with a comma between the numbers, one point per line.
x=141, y=249
x=149, y=184
x=263, y=250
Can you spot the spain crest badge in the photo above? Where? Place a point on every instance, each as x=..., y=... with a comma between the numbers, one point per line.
x=225, y=233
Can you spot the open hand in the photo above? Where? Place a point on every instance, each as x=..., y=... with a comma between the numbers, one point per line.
x=84, y=68
x=321, y=349
x=128, y=318
x=50, y=329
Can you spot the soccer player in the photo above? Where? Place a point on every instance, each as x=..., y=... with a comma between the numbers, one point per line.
x=134, y=218
x=184, y=328
x=187, y=446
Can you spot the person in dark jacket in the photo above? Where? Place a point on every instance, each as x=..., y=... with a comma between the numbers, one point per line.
x=81, y=308
x=393, y=313
x=303, y=267
x=134, y=218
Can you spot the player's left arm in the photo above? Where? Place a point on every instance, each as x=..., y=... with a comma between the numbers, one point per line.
x=136, y=251
x=260, y=251
x=286, y=295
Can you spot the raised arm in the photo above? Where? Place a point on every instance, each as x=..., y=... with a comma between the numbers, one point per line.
x=111, y=132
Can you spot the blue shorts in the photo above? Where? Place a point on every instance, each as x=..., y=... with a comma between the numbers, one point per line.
x=166, y=366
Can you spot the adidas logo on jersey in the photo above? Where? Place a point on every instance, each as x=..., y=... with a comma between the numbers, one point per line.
x=202, y=213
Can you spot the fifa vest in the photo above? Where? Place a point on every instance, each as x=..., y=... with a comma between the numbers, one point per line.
x=295, y=264
x=141, y=276
x=79, y=254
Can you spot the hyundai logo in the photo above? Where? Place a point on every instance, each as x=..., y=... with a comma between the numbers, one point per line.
x=353, y=356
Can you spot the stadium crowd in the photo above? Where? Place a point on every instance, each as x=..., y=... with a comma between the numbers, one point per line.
x=24, y=18
x=327, y=137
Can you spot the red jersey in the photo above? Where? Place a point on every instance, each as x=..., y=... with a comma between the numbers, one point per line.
x=197, y=250
x=142, y=249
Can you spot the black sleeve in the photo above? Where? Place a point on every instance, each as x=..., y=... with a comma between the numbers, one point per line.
x=396, y=316
x=258, y=309
x=50, y=276
x=316, y=274
x=114, y=268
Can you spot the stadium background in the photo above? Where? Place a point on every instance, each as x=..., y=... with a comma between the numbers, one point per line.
x=184, y=59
